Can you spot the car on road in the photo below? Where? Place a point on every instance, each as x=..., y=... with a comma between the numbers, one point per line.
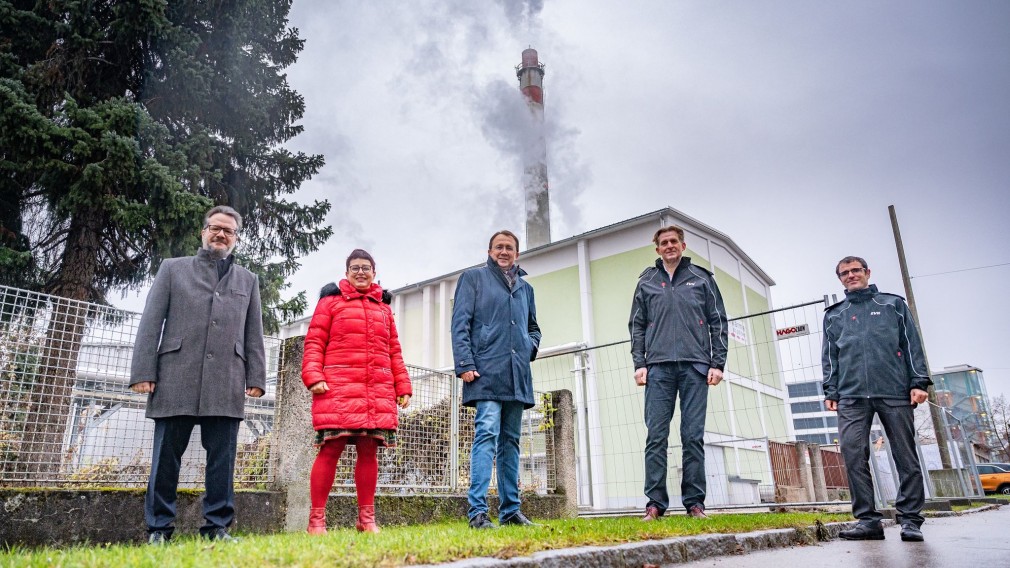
x=995, y=477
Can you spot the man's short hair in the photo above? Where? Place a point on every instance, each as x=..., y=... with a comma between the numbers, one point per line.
x=227, y=211
x=679, y=231
x=356, y=254
x=849, y=259
x=505, y=232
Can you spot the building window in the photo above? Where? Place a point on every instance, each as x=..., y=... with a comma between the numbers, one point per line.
x=813, y=388
x=804, y=407
x=808, y=423
x=831, y=421
x=813, y=438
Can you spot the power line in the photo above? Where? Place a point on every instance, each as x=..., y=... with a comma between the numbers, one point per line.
x=961, y=270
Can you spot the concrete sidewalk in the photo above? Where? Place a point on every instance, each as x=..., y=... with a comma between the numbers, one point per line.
x=977, y=539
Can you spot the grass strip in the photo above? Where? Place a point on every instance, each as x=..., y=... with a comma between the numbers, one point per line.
x=403, y=546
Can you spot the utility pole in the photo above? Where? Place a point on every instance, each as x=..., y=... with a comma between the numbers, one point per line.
x=934, y=408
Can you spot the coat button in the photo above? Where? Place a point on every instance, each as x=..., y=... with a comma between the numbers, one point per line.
x=217, y=293
x=214, y=323
x=210, y=355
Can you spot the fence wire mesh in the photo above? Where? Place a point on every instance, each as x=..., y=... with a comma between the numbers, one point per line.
x=434, y=439
x=770, y=398
x=67, y=416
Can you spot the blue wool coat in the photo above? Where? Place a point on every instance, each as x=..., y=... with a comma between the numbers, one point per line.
x=495, y=332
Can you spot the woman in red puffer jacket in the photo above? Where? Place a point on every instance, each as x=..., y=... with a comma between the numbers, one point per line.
x=354, y=368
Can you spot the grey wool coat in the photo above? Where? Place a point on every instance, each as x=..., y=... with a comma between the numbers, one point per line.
x=200, y=339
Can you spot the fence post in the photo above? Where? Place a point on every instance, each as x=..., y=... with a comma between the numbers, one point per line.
x=819, y=481
x=454, y=401
x=293, y=437
x=563, y=461
x=806, y=478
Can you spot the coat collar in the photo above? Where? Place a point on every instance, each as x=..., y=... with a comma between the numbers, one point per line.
x=349, y=292
x=685, y=261
x=204, y=254
x=496, y=270
x=861, y=295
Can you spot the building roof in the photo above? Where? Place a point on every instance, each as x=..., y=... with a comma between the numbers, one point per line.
x=655, y=216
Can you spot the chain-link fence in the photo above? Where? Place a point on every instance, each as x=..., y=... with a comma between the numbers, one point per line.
x=69, y=419
x=67, y=415
x=768, y=436
x=434, y=439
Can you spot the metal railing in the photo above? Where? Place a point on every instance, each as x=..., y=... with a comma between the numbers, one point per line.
x=67, y=416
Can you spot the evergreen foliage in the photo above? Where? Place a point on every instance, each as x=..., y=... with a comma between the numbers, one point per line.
x=123, y=121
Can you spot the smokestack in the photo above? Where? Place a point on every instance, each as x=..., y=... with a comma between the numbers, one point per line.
x=538, y=215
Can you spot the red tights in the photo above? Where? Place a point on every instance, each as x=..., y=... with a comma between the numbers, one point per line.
x=366, y=470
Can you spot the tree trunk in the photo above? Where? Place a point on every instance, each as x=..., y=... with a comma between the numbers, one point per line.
x=49, y=400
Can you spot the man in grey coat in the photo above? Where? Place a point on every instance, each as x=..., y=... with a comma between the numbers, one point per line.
x=199, y=352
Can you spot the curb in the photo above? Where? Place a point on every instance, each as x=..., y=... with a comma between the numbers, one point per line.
x=938, y=514
x=667, y=551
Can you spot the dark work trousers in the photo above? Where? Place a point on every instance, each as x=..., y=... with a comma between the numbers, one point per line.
x=855, y=416
x=664, y=383
x=219, y=437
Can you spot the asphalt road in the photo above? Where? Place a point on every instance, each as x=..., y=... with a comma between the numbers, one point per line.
x=975, y=540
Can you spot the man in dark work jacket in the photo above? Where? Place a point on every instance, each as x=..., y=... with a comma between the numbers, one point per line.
x=199, y=352
x=678, y=346
x=874, y=364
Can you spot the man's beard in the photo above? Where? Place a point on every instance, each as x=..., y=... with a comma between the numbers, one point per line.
x=216, y=253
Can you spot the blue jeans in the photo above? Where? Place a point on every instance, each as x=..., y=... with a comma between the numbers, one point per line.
x=497, y=427
x=219, y=436
x=665, y=382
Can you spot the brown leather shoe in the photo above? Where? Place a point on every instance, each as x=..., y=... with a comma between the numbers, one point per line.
x=697, y=512
x=652, y=513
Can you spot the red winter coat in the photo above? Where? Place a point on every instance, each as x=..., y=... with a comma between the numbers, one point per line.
x=352, y=345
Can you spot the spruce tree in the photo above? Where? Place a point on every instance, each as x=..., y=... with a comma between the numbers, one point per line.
x=121, y=123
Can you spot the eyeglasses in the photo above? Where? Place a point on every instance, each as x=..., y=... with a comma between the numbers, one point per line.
x=853, y=271
x=227, y=232
x=363, y=268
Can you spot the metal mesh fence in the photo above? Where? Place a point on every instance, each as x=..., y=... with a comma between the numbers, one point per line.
x=67, y=416
x=434, y=438
x=770, y=397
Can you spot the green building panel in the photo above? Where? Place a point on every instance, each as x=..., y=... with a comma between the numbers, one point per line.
x=750, y=464
x=613, y=281
x=775, y=418
x=762, y=332
x=719, y=418
x=746, y=412
x=558, y=308
x=623, y=434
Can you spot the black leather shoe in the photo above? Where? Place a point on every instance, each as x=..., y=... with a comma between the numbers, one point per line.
x=911, y=533
x=158, y=538
x=863, y=532
x=219, y=534
x=517, y=518
x=481, y=521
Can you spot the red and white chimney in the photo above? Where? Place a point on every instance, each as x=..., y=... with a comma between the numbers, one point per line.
x=538, y=215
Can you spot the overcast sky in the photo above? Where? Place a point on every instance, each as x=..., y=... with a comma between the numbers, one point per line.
x=789, y=126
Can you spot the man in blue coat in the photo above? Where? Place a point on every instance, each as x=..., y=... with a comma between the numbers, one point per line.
x=874, y=364
x=495, y=336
